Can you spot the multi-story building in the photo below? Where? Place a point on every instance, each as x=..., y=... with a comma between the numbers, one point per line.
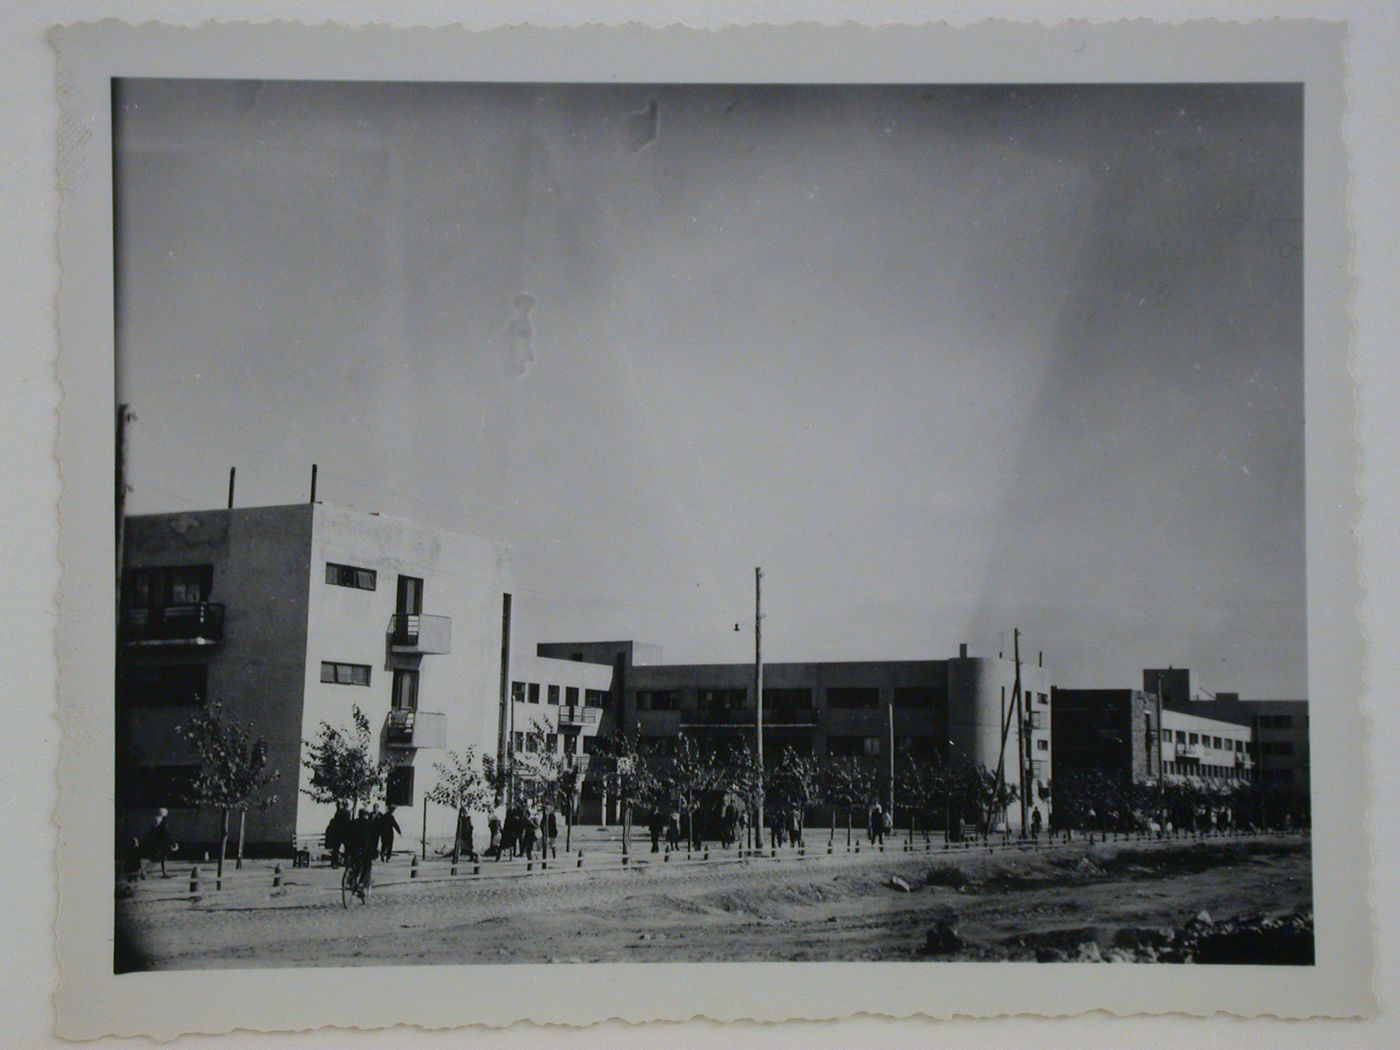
x=556, y=706
x=1279, y=729
x=962, y=707
x=293, y=616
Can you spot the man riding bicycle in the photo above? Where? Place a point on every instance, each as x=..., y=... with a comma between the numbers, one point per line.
x=361, y=842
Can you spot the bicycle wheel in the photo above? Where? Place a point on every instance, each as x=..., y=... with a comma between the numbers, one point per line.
x=345, y=887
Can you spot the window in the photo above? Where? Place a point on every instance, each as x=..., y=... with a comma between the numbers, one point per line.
x=915, y=696
x=659, y=699
x=399, y=789
x=551, y=743
x=723, y=699
x=1042, y=745
x=1038, y=769
x=173, y=585
x=410, y=596
x=1166, y=736
x=554, y=695
x=517, y=692
x=350, y=576
x=571, y=695
x=1195, y=738
x=164, y=685
x=1215, y=743
x=853, y=697
x=405, y=689
x=594, y=697
x=870, y=745
x=1043, y=698
x=534, y=692
x=344, y=674
x=532, y=743
x=517, y=741
x=787, y=699
x=1036, y=720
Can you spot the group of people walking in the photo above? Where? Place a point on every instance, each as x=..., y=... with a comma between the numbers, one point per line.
x=370, y=833
x=518, y=831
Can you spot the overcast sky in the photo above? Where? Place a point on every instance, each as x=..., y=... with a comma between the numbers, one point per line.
x=944, y=361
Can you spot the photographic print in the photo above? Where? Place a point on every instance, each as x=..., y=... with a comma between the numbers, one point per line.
x=710, y=521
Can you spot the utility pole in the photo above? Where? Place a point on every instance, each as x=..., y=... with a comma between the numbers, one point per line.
x=890, y=710
x=1021, y=750
x=758, y=685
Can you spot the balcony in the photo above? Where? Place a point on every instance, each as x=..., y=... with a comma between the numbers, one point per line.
x=196, y=623
x=1196, y=751
x=573, y=715
x=416, y=633
x=415, y=729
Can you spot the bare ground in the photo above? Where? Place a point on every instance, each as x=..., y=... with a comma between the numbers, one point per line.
x=1004, y=905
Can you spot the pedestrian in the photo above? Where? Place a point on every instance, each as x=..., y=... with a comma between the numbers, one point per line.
x=673, y=831
x=776, y=828
x=361, y=843
x=130, y=859
x=466, y=844
x=494, y=827
x=877, y=825
x=528, y=835
x=551, y=832
x=159, y=843
x=795, y=827
x=388, y=826
x=656, y=824
x=335, y=834
x=510, y=831
x=1035, y=824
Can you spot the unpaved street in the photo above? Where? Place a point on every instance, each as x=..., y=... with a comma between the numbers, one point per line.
x=1003, y=905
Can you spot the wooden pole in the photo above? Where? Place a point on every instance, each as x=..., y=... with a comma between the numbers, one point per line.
x=758, y=685
x=424, y=852
x=890, y=709
x=242, y=825
x=1021, y=753
x=232, y=473
x=313, y=483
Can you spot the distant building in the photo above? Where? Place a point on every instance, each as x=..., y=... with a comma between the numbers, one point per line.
x=956, y=707
x=1279, y=731
x=289, y=617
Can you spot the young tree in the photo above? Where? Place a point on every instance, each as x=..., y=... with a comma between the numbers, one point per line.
x=797, y=782
x=462, y=786
x=690, y=773
x=344, y=771
x=232, y=770
x=628, y=775
x=846, y=784
x=747, y=779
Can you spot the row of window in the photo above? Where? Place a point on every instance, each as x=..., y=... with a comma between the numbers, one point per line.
x=405, y=687
x=1181, y=736
x=529, y=693
x=1210, y=772
x=547, y=743
x=788, y=699
x=167, y=585
x=1282, y=748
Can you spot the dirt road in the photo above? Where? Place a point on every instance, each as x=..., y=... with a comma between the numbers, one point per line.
x=1004, y=906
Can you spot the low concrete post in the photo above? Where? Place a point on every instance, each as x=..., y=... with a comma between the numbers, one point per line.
x=276, y=876
x=413, y=867
x=580, y=858
x=194, y=882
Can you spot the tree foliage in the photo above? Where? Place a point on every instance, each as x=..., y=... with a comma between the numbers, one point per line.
x=233, y=766
x=343, y=767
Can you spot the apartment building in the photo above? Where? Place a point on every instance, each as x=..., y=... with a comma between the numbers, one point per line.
x=290, y=617
x=964, y=707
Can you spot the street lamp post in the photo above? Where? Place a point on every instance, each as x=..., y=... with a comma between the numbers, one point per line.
x=758, y=685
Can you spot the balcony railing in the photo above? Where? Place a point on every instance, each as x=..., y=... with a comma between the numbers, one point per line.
x=1190, y=751
x=194, y=623
x=416, y=729
x=416, y=633
x=573, y=715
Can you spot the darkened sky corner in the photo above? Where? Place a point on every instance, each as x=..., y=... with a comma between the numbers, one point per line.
x=944, y=360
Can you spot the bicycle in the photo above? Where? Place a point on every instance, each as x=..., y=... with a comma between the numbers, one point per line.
x=357, y=880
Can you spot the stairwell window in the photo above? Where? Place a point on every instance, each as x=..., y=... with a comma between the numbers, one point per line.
x=350, y=576
x=344, y=674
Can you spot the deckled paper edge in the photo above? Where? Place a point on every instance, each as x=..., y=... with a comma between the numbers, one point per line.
x=92, y=1003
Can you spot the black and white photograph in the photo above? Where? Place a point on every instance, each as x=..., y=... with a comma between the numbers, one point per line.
x=569, y=523
x=628, y=522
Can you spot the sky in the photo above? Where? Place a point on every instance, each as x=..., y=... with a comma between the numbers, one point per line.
x=944, y=361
